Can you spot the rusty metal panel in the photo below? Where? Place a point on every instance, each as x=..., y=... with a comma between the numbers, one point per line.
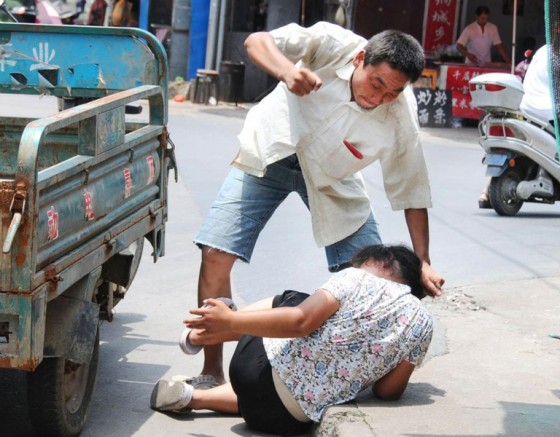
x=7, y=189
x=68, y=269
x=22, y=330
x=71, y=212
x=135, y=170
x=77, y=187
x=71, y=329
x=102, y=132
x=55, y=148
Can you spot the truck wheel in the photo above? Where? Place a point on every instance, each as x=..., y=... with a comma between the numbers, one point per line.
x=59, y=393
x=503, y=194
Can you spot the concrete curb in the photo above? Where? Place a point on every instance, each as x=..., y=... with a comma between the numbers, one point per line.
x=343, y=420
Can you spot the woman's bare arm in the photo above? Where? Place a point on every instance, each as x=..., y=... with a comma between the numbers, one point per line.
x=283, y=322
x=391, y=386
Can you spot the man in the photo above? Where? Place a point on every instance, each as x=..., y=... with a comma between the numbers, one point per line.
x=477, y=39
x=340, y=105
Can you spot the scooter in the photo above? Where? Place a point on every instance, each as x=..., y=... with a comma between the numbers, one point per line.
x=521, y=151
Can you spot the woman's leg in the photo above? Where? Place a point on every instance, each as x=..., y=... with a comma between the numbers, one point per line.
x=259, y=404
x=180, y=397
x=221, y=398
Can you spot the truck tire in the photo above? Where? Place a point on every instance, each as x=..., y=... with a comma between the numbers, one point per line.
x=503, y=194
x=59, y=394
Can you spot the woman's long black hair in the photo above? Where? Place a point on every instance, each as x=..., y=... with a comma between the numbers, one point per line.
x=400, y=258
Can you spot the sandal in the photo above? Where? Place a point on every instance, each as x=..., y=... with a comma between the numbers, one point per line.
x=204, y=382
x=200, y=382
x=171, y=396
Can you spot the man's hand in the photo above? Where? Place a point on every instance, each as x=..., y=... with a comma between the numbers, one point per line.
x=263, y=51
x=431, y=279
x=472, y=57
x=301, y=81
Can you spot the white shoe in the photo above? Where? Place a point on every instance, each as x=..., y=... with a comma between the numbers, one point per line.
x=172, y=396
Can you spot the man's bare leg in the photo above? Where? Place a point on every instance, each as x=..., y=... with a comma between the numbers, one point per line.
x=214, y=281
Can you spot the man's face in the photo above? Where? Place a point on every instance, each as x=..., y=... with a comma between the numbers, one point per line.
x=482, y=19
x=375, y=85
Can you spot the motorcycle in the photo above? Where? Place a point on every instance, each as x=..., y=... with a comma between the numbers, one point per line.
x=521, y=150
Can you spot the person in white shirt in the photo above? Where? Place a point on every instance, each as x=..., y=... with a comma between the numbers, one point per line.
x=342, y=103
x=299, y=354
x=537, y=97
x=478, y=38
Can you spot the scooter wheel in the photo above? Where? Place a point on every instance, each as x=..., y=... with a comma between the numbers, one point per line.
x=503, y=192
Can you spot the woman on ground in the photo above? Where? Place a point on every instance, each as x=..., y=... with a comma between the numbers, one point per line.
x=365, y=327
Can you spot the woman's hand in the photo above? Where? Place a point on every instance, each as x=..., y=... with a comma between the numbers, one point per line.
x=215, y=317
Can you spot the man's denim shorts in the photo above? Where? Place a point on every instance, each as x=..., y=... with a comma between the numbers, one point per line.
x=245, y=203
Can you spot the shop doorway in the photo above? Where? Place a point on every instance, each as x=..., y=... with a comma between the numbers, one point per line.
x=374, y=16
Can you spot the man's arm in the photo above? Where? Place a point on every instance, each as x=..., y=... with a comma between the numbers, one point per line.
x=464, y=51
x=266, y=55
x=418, y=228
x=283, y=322
x=503, y=53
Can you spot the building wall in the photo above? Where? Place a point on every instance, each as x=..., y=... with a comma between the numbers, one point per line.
x=374, y=16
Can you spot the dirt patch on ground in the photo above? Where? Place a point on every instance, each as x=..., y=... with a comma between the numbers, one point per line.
x=457, y=300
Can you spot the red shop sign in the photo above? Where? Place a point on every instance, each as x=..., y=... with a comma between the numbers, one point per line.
x=440, y=23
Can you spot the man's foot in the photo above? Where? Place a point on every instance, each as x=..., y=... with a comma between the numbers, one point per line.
x=484, y=202
x=171, y=396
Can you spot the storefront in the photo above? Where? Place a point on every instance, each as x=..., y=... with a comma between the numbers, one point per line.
x=443, y=22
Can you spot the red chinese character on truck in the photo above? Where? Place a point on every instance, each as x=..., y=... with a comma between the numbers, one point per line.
x=52, y=223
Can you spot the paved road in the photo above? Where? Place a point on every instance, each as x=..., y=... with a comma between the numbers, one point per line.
x=469, y=246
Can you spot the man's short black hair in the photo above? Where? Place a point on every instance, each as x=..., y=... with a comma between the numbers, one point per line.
x=398, y=49
x=482, y=10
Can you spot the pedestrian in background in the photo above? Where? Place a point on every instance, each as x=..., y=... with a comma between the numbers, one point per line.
x=477, y=39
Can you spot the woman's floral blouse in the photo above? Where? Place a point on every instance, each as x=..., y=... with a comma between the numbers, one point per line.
x=378, y=325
